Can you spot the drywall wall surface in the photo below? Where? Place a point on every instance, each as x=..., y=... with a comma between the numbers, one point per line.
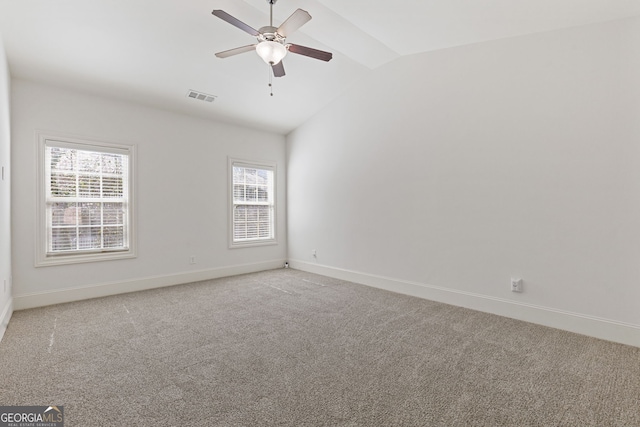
x=181, y=194
x=5, y=195
x=461, y=168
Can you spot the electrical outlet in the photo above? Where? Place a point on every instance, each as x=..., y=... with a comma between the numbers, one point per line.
x=314, y=253
x=192, y=259
x=516, y=284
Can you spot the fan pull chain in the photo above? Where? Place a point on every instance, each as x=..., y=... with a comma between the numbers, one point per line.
x=270, y=81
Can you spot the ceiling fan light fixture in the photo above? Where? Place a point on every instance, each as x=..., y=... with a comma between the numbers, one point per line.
x=271, y=52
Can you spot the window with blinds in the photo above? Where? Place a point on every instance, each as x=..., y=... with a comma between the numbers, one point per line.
x=252, y=203
x=87, y=202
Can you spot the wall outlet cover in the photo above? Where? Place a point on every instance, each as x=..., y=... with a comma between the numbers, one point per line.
x=516, y=284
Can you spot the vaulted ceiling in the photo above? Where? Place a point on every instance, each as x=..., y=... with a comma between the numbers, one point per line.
x=155, y=51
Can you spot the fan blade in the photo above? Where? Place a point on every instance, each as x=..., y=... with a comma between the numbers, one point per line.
x=310, y=52
x=235, y=22
x=278, y=69
x=236, y=51
x=295, y=21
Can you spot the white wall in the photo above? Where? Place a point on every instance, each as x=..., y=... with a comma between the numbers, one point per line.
x=446, y=173
x=181, y=194
x=5, y=196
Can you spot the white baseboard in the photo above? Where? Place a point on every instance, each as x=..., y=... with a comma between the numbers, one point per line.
x=58, y=296
x=606, y=329
x=5, y=317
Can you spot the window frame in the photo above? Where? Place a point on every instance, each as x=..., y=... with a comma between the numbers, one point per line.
x=43, y=258
x=263, y=165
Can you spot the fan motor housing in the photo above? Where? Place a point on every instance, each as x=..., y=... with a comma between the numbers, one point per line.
x=270, y=34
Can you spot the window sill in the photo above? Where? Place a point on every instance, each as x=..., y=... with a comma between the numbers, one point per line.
x=252, y=243
x=45, y=261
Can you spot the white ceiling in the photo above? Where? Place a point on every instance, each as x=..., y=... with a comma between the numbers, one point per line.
x=154, y=51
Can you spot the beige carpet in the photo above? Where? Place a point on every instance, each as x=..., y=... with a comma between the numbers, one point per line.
x=287, y=348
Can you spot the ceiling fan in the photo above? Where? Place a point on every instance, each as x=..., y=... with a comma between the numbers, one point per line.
x=271, y=46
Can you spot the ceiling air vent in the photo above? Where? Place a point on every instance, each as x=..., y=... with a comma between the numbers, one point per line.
x=201, y=96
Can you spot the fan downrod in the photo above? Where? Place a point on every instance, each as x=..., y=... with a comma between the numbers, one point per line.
x=271, y=3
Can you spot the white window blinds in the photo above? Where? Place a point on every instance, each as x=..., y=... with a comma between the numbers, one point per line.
x=86, y=198
x=252, y=203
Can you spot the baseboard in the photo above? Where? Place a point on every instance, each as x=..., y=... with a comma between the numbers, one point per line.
x=5, y=317
x=58, y=296
x=606, y=329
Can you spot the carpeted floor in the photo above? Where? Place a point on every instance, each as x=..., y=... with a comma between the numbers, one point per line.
x=288, y=348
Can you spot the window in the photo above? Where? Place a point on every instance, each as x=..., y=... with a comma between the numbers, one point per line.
x=252, y=203
x=85, y=197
